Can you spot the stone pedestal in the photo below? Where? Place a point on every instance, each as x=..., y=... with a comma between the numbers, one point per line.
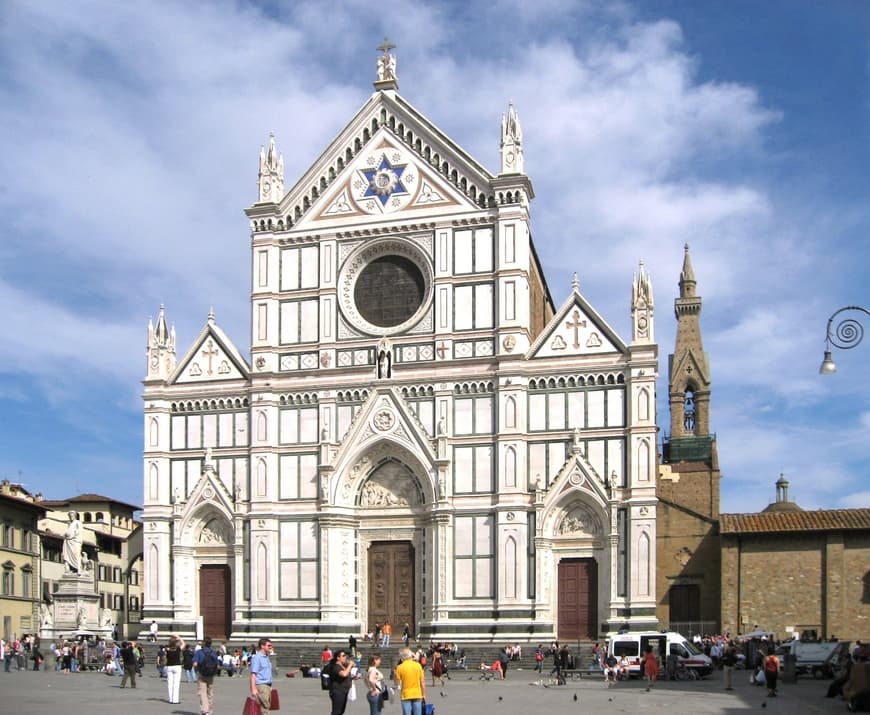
x=75, y=610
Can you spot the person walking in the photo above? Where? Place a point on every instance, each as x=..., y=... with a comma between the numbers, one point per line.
x=340, y=680
x=376, y=686
x=388, y=632
x=771, y=672
x=128, y=660
x=206, y=663
x=187, y=663
x=438, y=669
x=650, y=667
x=409, y=676
x=173, y=668
x=261, y=674
x=729, y=661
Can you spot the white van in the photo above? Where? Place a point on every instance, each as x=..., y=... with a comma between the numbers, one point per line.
x=663, y=643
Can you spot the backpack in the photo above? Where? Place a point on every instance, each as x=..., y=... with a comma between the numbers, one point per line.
x=209, y=666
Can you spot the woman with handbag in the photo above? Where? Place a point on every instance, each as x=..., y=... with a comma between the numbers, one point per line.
x=376, y=686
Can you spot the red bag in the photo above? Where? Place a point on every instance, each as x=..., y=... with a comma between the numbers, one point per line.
x=274, y=702
x=252, y=706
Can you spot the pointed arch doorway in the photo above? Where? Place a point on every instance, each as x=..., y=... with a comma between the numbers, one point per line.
x=391, y=584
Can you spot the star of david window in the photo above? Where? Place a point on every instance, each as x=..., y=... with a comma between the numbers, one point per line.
x=385, y=180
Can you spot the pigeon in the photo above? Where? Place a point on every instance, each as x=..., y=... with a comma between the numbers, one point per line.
x=575, y=697
x=443, y=695
x=499, y=697
x=764, y=705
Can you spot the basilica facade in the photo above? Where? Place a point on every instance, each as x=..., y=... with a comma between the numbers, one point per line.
x=418, y=433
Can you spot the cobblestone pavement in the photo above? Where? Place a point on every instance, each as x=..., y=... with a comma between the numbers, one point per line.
x=52, y=693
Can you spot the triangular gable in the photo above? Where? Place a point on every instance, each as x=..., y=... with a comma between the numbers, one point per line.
x=385, y=415
x=209, y=494
x=688, y=363
x=576, y=329
x=409, y=186
x=213, y=357
x=577, y=474
x=335, y=186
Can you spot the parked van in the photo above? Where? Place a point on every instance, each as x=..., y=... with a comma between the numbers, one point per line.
x=663, y=643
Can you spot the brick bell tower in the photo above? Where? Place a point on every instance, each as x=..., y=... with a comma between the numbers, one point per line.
x=688, y=558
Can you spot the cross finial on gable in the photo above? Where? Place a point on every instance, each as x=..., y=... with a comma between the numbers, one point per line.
x=386, y=46
x=386, y=66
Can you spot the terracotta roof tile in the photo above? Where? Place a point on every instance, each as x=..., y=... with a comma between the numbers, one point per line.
x=793, y=521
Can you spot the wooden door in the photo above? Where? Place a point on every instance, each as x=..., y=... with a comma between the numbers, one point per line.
x=578, y=599
x=214, y=601
x=391, y=585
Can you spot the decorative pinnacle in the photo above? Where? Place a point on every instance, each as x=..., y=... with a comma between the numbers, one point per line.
x=211, y=314
x=575, y=283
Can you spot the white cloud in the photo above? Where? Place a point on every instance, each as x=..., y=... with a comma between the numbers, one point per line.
x=130, y=148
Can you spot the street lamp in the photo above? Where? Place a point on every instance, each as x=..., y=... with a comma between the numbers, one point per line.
x=848, y=333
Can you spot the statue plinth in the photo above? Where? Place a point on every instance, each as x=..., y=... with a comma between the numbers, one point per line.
x=75, y=610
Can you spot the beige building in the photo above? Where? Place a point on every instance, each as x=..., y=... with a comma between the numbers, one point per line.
x=19, y=561
x=790, y=570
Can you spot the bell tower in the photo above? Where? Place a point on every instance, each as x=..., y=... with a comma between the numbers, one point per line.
x=688, y=369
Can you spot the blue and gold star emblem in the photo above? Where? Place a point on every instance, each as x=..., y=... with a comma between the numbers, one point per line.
x=385, y=180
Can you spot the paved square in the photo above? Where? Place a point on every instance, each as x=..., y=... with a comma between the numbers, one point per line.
x=50, y=693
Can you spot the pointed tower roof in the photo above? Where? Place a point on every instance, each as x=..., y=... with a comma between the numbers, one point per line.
x=161, y=332
x=687, y=276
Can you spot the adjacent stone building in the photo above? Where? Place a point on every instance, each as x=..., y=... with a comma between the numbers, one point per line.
x=422, y=435
x=791, y=570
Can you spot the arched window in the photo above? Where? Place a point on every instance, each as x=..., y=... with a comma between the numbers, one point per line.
x=510, y=467
x=510, y=413
x=689, y=411
x=510, y=568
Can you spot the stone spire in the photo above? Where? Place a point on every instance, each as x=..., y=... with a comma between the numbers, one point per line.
x=687, y=276
x=689, y=386
x=271, y=176
x=387, y=79
x=160, y=354
x=642, y=307
x=511, y=142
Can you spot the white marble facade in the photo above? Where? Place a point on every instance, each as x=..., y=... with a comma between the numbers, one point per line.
x=409, y=382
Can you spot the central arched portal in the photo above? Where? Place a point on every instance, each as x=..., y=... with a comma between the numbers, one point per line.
x=391, y=584
x=391, y=502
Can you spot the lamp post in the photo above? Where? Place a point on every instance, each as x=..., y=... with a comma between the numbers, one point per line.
x=846, y=335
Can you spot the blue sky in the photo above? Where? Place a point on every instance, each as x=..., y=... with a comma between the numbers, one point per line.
x=130, y=133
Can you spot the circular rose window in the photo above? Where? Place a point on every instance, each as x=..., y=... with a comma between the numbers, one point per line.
x=389, y=291
x=385, y=286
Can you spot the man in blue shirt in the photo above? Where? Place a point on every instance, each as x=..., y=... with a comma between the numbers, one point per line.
x=261, y=674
